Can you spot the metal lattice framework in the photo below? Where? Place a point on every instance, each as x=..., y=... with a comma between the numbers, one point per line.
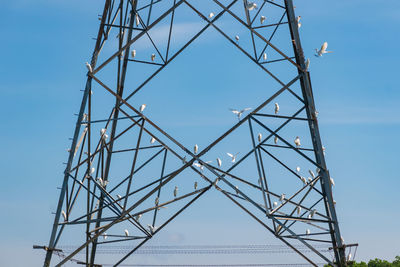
x=109, y=186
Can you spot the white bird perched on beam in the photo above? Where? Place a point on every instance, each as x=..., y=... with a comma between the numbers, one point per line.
x=137, y=19
x=138, y=217
x=152, y=228
x=133, y=53
x=119, y=197
x=142, y=107
x=322, y=50
x=265, y=56
x=64, y=215
x=126, y=232
x=298, y=210
x=308, y=232
x=219, y=161
x=298, y=22
x=237, y=190
x=152, y=140
x=175, y=191
x=196, y=149
x=312, y=213
x=282, y=198
x=259, y=136
x=89, y=67
x=307, y=63
x=297, y=141
x=332, y=181
x=211, y=15
x=251, y=6
x=239, y=113
x=311, y=173
x=262, y=19
x=303, y=179
x=276, y=108
x=105, y=236
x=276, y=140
x=153, y=56
x=233, y=157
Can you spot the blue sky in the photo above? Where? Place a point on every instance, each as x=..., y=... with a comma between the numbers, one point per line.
x=45, y=44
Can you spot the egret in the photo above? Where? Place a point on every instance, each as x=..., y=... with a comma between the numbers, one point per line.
x=259, y=136
x=196, y=148
x=262, y=19
x=105, y=236
x=298, y=210
x=152, y=228
x=322, y=50
x=237, y=37
x=211, y=15
x=219, y=161
x=233, y=157
x=133, y=53
x=311, y=173
x=308, y=232
x=152, y=140
x=239, y=113
x=276, y=140
x=237, y=190
x=349, y=257
x=142, y=107
x=298, y=22
x=137, y=19
x=298, y=169
x=119, y=197
x=126, y=232
x=265, y=56
x=275, y=204
x=195, y=185
x=309, y=179
x=153, y=56
x=64, y=215
x=89, y=67
x=175, y=191
x=297, y=141
x=317, y=170
x=201, y=166
x=276, y=108
x=92, y=170
x=312, y=213
x=251, y=5
x=307, y=64
x=138, y=217
x=332, y=181
x=282, y=198
x=303, y=179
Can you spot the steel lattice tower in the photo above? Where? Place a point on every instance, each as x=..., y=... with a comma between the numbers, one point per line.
x=99, y=201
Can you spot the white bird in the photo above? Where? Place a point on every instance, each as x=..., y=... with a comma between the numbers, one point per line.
x=216, y=181
x=105, y=236
x=237, y=37
x=152, y=228
x=297, y=141
x=276, y=108
x=323, y=150
x=276, y=140
x=298, y=210
x=298, y=22
x=237, y=190
x=152, y=140
x=282, y=198
x=262, y=19
x=211, y=15
x=307, y=63
x=119, y=197
x=153, y=56
x=312, y=213
x=89, y=67
x=126, y=232
x=349, y=257
x=219, y=161
x=259, y=136
x=233, y=157
x=239, y=113
x=92, y=170
x=332, y=181
x=138, y=217
x=265, y=56
x=275, y=204
x=137, y=19
x=175, y=191
x=142, y=107
x=195, y=185
x=311, y=173
x=303, y=179
x=251, y=5
x=317, y=170
x=322, y=50
x=201, y=166
x=64, y=215
x=196, y=148
x=133, y=53
x=298, y=169
x=308, y=232
x=309, y=179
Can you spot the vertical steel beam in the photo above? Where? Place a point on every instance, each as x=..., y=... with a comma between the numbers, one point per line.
x=88, y=89
x=314, y=131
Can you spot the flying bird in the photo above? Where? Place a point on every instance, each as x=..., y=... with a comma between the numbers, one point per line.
x=196, y=148
x=259, y=136
x=175, y=191
x=126, y=232
x=276, y=108
x=297, y=141
x=298, y=22
x=89, y=67
x=262, y=19
x=239, y=113
x=219, y=161
x=251, y=5
x=142, y=107
x=233, y=157
x=133, y=53
x=275, y=204
x=322, y=50
x=298, y=169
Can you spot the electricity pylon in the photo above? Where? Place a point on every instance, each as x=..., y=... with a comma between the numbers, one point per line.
x=116, y=192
